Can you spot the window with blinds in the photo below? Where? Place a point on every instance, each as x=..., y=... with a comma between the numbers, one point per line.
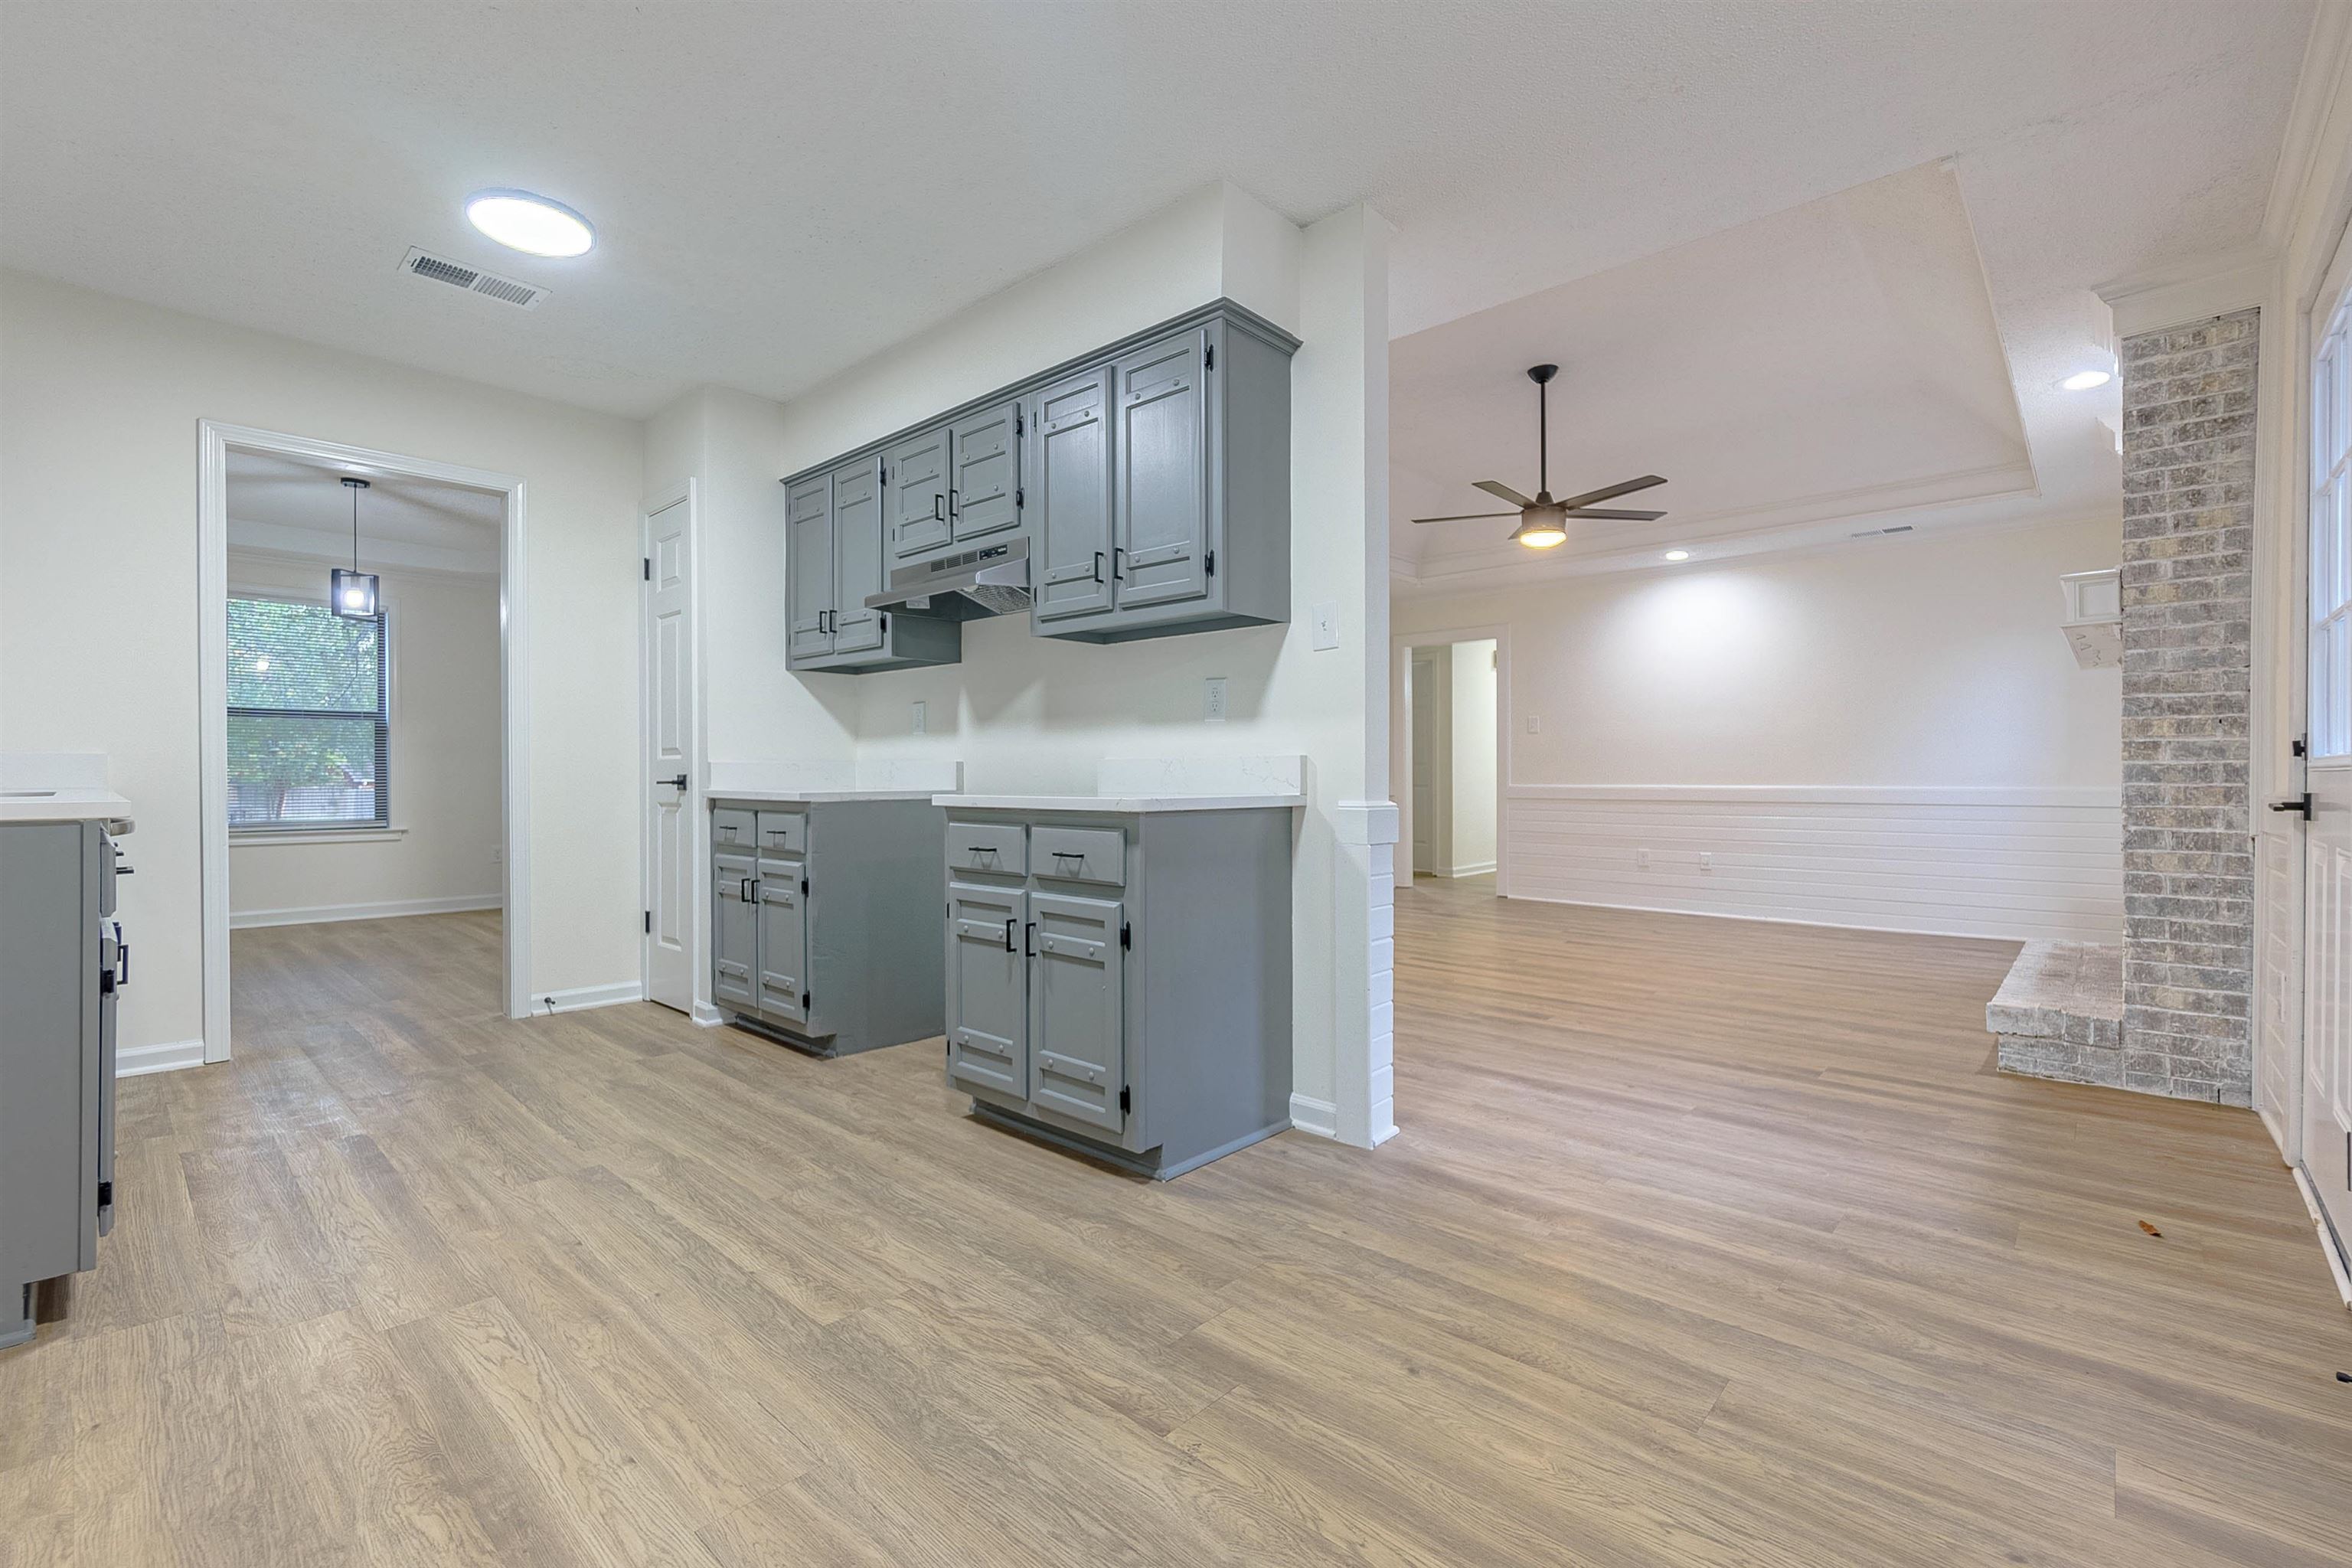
x=309, y=717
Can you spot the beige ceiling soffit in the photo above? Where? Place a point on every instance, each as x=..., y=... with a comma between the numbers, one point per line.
x=2325, y=77
x=2193, y=291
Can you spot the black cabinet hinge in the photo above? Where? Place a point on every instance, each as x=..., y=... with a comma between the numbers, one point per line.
x=649, y=922
x=106, y=1195
x=881, y=475
x=808, y=1000
x=1208, y=564
x=2302, y=746
x=1126, y=935
x=1126, y=1102
x=650, y=568
x=1019, y=425
x=1019, y=498
x=803, y=887
x=106, y=983
x=1209, y=359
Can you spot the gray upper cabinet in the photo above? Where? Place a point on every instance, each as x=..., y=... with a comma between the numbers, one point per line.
x=1162, y=535
x=809, y=580
x=918, y=486
x=984, y=473
x=1150, y=479
x=856, y=556
x=1069, y=464
x=835, y=525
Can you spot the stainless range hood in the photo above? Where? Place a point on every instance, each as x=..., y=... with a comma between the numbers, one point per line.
x=992, y=580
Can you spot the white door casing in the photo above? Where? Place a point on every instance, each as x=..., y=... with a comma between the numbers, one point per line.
x=1424, y=765
x=2326, y=1120
x=669, y=682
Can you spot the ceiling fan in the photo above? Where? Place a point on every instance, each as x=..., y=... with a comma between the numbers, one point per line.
x=1543, y=521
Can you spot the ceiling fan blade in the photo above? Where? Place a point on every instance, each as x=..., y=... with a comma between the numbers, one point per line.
x=1502, y=491
x=1605, y=515
x=1465, y=516
x=1606, y=492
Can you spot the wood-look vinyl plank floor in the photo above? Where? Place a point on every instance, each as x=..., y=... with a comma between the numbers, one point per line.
x=1705, y=1242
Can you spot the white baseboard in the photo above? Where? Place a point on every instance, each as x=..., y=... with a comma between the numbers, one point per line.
x=244, y=919
x=2337, y=1266
x=708, y=1016
x=168, y=1056
x=1475, y=868
x=584, y=996
x=1320, y=1117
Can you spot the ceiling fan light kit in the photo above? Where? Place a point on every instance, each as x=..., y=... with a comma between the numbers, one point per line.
x=1543, y=521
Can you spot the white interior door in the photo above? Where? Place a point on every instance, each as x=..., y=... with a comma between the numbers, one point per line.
x=669, y=684
x=1424, y=765
x=2327, y=836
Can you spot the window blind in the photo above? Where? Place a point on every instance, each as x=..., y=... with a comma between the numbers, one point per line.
x=309, y=721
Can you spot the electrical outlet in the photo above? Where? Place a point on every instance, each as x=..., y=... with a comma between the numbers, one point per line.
x=1535, y=725
x=1326, y=624
x=922, y=720
x=1706, y=860
x=1213, y=700
x=498, y=854
x=1641, y=859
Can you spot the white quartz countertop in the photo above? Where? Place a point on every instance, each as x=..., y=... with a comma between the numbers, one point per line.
x=818, y=796
x=1119, y=804
x=61, y=804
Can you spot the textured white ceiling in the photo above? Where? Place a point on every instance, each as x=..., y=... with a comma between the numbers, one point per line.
x=783, y=189
x=291, y=507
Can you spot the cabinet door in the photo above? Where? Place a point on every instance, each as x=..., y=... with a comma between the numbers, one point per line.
x=783, y=940
x=734, y=932
x=988, y=989
x=1069, y=463
x=917, y=492
x=1077, y=1011
x=856, y=556
x=808, y=566
x=984, y=484
x=1162, y=459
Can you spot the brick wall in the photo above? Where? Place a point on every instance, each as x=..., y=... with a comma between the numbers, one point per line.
x=2188, y=885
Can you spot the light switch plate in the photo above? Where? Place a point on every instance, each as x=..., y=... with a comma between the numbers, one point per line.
x=1535, y=725
x=1326, y=624
x=922, y=719
x=1213, y=700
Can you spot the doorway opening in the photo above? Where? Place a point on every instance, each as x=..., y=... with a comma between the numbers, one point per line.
x=361, y=683
x=1449, y=751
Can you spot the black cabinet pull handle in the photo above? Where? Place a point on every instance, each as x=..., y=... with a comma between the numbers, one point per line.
x=1099, y=566
x=939, y=507
x=1008, y=934
x=951, y=502
x=1117, y=562
x=1029, y=941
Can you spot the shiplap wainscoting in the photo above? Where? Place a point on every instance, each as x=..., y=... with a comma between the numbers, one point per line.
x=1963, y=862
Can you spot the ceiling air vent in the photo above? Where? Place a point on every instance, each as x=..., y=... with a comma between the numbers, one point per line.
x=1874, y=532
x=458, y=275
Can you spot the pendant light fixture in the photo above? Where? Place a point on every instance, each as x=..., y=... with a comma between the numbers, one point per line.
x=353, y=591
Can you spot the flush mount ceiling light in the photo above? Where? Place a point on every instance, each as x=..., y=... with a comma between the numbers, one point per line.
x=1677, y=554
x=533, y=225
x=350, y=594
x=2084, y=380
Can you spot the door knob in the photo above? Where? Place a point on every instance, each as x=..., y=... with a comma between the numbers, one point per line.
x=2302, y=803
x=678, y=784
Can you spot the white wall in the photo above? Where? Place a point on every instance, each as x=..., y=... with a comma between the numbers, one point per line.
x=444, y=641
x=1888, y=734
x=1470, y=838
x=1038, y=714
x=99, y=400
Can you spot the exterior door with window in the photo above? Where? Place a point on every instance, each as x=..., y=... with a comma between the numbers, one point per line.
x=2327, y=838
x=309, y=718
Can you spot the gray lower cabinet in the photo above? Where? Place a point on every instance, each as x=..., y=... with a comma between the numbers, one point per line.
x=820, y=919
x=835, y=524
x=62, y=964
x=1121, y=983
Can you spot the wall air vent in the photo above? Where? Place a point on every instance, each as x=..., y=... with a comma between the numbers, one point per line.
x=474, y=280
x=1874, y=532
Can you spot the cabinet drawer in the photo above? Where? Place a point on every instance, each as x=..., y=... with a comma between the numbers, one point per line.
x=732, y=828
x=784, y=832
x=1081, y=854
x=987, y=847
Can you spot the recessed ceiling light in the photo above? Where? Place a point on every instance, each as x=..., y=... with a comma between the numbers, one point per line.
x=1677, y=554
x=533, y=225
x=2084, y=380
